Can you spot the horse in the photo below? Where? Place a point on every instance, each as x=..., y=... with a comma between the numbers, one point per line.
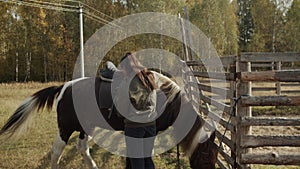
x=201, y=155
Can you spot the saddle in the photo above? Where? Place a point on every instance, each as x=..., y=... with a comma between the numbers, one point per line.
x=106, y=76
x=108, y=73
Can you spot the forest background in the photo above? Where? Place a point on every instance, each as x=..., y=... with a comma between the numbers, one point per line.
x=40, y=44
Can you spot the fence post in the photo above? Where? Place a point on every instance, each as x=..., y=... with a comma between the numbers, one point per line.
x=278, y=84
x=243, y=88
x=232, y=69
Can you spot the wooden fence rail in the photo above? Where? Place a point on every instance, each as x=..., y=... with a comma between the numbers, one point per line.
x=245, y=121
x=270, y=57
x=271, y=158
x=239, y=72
x=270, y=101
x=260, y=141
x=270, y=121
x=270, y=76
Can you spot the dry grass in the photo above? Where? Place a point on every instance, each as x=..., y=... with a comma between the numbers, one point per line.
x=32, y=151
x=32, y=148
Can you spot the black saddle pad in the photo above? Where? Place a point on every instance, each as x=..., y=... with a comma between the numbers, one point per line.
x=104, y=95
x=107, y=74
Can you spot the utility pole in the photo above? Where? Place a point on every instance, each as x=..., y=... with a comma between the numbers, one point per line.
x=81, y=39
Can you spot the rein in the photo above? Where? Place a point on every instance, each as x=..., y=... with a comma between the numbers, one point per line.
x=235, y=101
x=178, y=157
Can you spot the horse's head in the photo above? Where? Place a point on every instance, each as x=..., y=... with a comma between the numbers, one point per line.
x=205, y=155
x=199, y=144
x=202, y=155
x=202, y=152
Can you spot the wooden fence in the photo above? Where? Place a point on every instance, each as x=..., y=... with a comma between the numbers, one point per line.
x=244, y=81
x=217, y=88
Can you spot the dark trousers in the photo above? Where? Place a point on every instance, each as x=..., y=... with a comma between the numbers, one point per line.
x=139, y=150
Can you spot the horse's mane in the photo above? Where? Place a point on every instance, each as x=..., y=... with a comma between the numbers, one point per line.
x=171, y=89
x=166, y=85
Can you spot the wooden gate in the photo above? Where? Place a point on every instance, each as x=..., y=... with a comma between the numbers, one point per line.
x=245, y=79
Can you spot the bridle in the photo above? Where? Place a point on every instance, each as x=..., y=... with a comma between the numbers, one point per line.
x=200, y=152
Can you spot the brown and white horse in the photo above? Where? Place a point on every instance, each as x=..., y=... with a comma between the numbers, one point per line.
x=201, y=155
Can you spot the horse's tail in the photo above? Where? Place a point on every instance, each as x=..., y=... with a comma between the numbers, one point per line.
x=19, y=122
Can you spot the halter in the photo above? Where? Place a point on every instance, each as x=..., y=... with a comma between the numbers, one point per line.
x=198, y=153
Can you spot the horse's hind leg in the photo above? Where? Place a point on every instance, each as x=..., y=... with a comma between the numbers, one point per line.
x=57, y=150
x=83, y=147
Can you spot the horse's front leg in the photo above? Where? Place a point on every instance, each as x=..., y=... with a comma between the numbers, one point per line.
x=83, y=147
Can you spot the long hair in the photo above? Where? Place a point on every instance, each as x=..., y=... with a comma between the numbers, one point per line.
x=132, y=65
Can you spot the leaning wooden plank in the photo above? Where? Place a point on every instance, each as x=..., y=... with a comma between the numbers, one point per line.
x=270, y=121
x=215, y=103
x=271, y=158
x=225, y=140
x=260, y=141
x=210, y=81
x=270, y=76
x=227, y=157
x=226, y=93
x=220, y=164
x=270, y=101
x=218, y=118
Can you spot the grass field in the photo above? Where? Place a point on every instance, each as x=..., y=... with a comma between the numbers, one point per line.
x=32, y=151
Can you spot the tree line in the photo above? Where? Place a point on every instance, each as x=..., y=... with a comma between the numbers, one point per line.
x=42, y=44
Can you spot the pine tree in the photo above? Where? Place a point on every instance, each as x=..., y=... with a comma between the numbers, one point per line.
x=292, y=28
x=246, y=26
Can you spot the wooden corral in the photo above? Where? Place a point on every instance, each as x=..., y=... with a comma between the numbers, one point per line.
x=242, y=78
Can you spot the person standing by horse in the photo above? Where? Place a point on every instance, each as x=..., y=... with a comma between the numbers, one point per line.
x=137, y=104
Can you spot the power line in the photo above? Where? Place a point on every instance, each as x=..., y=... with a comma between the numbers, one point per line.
x=30, y=4
x=55, y=4
x=75, y=1
x=65, y=8
x=90, y=15
x=98, y=11
x=97, y=17
x=48, y=7
x=94, y=19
